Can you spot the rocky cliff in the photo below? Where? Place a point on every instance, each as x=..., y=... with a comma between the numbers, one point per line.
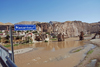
x=68, y=28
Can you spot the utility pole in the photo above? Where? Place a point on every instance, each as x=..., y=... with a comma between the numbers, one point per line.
x=11, y=41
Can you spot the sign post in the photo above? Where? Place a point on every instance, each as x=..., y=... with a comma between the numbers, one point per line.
x=17, y=28
x=11, y=41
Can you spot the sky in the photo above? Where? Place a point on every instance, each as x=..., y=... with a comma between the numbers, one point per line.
x=49, y=10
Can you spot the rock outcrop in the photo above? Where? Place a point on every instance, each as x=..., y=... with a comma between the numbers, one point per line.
x=68, y=28
x=60, y=37
x=97, y=33
x=81, y=37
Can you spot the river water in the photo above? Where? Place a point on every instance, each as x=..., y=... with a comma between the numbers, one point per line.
x=52, y=54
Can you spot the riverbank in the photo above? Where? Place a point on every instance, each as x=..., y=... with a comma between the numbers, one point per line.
x=91, y=55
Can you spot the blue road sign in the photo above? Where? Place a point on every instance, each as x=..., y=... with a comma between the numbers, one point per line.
x=24, y=27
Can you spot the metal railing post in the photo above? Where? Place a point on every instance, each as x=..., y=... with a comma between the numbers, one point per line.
x=11, y=41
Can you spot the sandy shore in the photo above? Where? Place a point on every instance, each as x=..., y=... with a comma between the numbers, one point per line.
x=93, y=55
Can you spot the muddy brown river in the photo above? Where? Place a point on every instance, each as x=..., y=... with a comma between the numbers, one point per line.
x=51, y=54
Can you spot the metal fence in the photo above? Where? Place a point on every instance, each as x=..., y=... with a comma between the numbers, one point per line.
x=5, y=56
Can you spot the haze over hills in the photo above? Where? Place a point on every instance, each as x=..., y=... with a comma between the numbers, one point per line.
x=27, y=22
x=2, y=23
x=35, y=22
x=8, y=23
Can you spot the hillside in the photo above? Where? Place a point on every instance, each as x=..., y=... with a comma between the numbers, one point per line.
x=9, y=23
x=28, y=22
x=2, y=23
x=6, y=23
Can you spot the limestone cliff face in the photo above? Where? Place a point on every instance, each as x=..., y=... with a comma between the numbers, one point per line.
x=95, y=27
x=69, y=28
x=44, y=27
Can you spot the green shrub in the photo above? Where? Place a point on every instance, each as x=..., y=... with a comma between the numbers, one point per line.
x=78, y=50
x=1, y=32
x=30, y=41
x=7, y=45
x=54, y=39
x=27, y=31
x=34, y=32
x=0, y=38
x=47, y=32
x=20, y=37
x=54, y=36
x=16, y=44
x=45, y=41
x=7, y=37
x=90, y=52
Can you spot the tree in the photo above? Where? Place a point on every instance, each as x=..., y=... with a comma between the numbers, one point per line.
x=27, y=31
x=1, y=32
x=0, y=38
x=34, y=32
x=30, y=30
x=7, y=37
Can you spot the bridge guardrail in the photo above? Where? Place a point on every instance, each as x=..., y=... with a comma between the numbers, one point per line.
x=5, y=55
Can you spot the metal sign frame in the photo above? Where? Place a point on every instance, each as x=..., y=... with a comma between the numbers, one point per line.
x=19, y=27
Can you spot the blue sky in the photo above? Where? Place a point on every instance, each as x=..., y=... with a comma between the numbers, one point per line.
x=49, y=10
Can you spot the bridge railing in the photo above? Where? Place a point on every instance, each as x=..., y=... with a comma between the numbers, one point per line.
x=5, y=56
